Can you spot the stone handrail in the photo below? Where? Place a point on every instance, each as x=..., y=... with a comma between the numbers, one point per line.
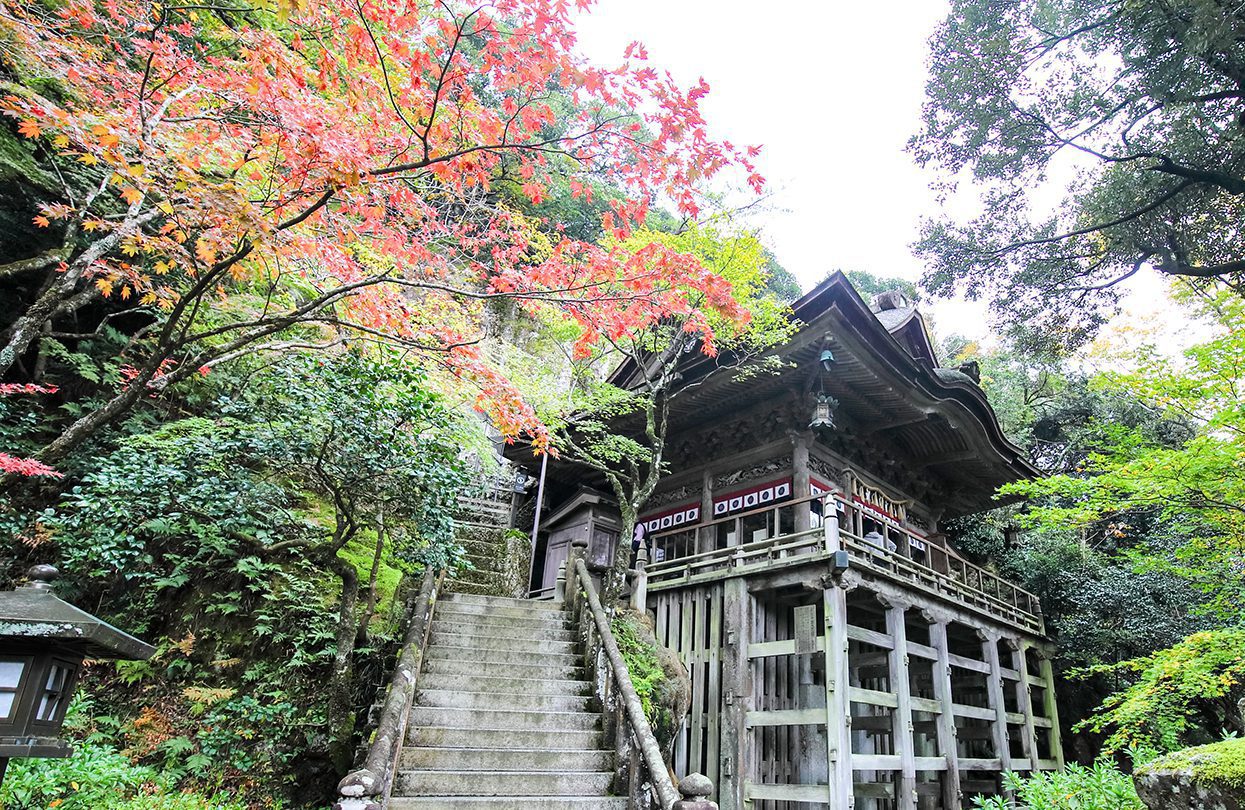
x=667, y=794
x=368, y=787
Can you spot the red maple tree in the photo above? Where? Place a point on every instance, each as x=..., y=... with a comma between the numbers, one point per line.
x=234, y=171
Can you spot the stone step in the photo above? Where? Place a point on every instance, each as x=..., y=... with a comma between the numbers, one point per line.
x=454, y=737
x=505, y=718
x=505, y=759
x=504, y=783
x=503, y=654
x=508, y=803
x=460, y=586
x=457, y=699
x=503, y=601
x=559, y=669
x=530, y=644
x=504, y=683
x=454, y=610
x=451, y=615
x=481, y=627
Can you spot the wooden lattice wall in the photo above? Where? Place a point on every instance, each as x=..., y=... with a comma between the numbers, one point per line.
x=935, y=705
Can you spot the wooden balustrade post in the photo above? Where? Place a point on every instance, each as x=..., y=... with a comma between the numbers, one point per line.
x=639, y=585
x=830, y=523
x=559, y=584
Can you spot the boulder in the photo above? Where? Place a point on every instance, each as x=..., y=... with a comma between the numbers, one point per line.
x=1208, y=777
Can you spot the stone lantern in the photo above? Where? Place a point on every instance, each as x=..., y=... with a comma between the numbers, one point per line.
x=43, y=641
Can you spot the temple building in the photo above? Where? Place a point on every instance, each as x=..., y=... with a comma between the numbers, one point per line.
x=842, y=652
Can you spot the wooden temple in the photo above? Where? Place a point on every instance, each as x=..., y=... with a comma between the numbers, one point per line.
x=842, y=653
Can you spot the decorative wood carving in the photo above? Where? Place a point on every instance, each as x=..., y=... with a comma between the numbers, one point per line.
x=691, y=492
x=763, y=469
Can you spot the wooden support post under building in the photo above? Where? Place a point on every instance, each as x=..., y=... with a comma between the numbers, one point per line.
x=1020, y=660
x=994, y=693
x=905, y=786
x=1052, y=706
x=736, y=693
x=838, y=704
x=947, y=741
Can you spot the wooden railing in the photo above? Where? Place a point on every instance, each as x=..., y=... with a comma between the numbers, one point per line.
x=368, y=787
x=639, y=758
x=893, y=552
x=640, y=769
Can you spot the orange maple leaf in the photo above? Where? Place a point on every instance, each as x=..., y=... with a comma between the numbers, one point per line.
x=29, y=128
x=41, y=221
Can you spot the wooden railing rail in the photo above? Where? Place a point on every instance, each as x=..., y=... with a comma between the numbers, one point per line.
x=369, y=787
x=940, y=569
x=633, y=711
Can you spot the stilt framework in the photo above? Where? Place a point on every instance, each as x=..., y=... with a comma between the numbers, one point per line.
x=825, y=672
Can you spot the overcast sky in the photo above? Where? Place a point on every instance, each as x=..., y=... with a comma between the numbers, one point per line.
x=832, y=91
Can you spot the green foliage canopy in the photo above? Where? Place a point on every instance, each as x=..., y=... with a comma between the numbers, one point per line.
x=1138, y=106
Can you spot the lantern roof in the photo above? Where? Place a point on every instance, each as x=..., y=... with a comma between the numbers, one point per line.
x=34, y=612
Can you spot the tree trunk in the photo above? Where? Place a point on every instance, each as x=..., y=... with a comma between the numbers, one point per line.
x=85, y=427
x=340, y=718
x=616, y=578
x=369, y=608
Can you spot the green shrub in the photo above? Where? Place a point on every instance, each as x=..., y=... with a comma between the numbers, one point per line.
x=641, y=659
x=1101, y=787
x=96, y=777
x=1171, y=691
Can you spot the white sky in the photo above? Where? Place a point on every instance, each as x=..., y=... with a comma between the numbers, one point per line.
x=832, y=91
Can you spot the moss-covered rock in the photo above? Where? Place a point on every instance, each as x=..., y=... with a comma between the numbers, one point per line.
x=659, y=677
x=1210, y=777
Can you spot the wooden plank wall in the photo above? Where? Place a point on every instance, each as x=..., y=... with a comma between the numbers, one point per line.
x=689, y=621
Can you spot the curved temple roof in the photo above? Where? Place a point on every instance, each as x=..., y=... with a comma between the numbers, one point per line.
x=892, y=395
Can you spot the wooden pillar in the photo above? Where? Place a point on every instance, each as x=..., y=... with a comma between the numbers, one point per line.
x=800, y=487
x=994, y=692
x=1024, y=700
x=946, y=718
x=838, y=703
x=1052, y=705
x=735, y=751
x=902, y=730
x=706, y=538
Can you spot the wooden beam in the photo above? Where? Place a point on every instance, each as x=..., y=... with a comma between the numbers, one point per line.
x=786, y=717
x=870, y=637
x=1052, y=708
x=994, y=690
x=900, y=685
x=872, y=697
x=809, y=794
x=876, y=762
x=735, y=754
x=838, y=705
x=1025, y=700
x=946, y=717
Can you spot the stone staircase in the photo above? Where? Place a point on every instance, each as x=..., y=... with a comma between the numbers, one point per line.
x=500, y=558
x=503, y=717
